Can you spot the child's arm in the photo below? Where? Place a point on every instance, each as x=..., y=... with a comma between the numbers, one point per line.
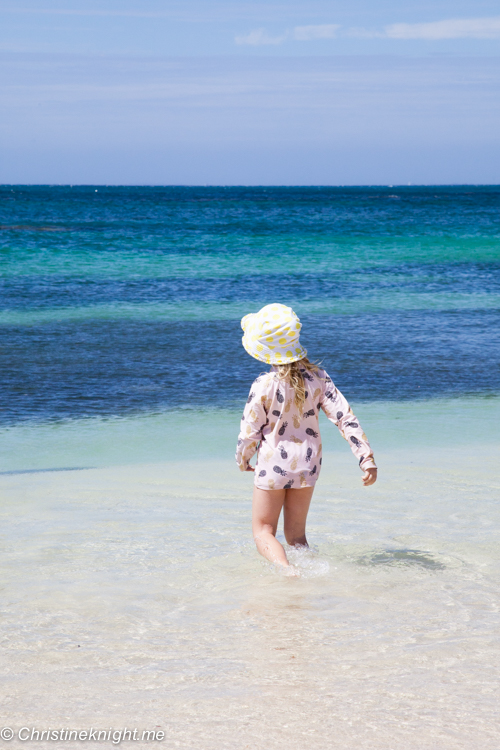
x=338, y=411
x=252, y=423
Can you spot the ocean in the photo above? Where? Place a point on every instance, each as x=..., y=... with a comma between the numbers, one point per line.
x=133, y=595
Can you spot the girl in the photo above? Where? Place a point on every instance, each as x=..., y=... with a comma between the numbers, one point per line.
x=280, y=424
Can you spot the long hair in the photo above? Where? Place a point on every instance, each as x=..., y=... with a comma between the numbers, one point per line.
x=291, y=373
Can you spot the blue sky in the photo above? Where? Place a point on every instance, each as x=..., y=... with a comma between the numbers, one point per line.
x=256, y=92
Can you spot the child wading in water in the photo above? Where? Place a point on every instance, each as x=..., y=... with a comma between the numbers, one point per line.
x=280, y=424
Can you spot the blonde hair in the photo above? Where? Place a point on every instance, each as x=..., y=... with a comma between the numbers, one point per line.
x=290, y=373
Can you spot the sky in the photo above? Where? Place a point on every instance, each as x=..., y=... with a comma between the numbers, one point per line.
x=249, y=93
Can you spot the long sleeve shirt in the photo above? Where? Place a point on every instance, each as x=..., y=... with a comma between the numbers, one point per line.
x=288, y=441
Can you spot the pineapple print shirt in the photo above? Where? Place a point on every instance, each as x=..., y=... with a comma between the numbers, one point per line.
x=287, y=442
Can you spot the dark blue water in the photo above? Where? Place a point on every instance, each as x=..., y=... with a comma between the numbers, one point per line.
x=112, y=297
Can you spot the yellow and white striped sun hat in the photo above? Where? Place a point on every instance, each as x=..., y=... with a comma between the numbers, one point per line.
x=272, y=335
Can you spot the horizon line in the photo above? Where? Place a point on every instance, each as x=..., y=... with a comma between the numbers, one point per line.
x=250, y=185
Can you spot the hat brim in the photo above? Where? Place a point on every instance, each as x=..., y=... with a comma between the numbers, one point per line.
x=246, y=320
x=269, y=357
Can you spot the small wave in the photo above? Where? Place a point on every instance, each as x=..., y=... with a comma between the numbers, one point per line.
x=307, y=562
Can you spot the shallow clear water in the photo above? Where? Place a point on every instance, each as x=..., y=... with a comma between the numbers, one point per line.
x=135, y=593
x=189, y=434
x=132, y=594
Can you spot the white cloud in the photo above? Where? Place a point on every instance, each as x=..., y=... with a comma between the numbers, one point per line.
x=453, y=28
x=307, y=33
x=299, y=33
x=259, y=37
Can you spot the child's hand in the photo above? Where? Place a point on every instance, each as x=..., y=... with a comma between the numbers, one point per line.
x=369, y=477
x=249, y=468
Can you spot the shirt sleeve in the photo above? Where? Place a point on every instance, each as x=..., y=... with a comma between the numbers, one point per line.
x=338, y=411
x=253, y=422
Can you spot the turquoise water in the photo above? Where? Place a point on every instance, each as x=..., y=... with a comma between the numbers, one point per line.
x=106, y=291
x=148, y=438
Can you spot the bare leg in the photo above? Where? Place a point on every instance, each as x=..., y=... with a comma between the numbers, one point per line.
x=266, y=509
x=296, y=507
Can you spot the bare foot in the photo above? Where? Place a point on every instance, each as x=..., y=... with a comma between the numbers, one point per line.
x=291, y=572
